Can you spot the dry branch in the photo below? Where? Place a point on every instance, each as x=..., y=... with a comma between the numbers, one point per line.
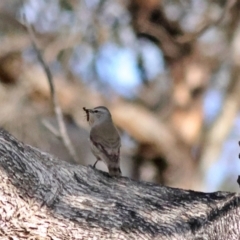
x=173, y=41
x=57, y=109
x=157, y=134
x=207, y=24
x=45, y=198
x=214, y=138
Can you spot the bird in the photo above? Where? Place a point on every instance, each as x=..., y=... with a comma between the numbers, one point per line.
x=105, y=141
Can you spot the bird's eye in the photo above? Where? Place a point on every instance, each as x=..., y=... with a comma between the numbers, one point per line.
x=96, y=111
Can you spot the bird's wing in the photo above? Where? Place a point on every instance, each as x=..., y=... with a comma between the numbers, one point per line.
x=109, y=146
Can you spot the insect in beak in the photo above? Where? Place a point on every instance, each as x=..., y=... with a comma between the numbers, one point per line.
x=87, y=112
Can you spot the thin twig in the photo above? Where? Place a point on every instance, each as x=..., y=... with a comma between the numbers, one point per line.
x=51, y=128
x=57, y=109
x=170, y=48
x=207, y=24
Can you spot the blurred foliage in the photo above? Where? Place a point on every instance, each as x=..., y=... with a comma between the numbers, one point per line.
x=168, y=70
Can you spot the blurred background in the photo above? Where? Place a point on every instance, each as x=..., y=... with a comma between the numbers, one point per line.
x=167, y=69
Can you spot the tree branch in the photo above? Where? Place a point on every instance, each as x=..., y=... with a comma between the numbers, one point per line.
x=57, y=109
x=44, y=197
x=206, y=24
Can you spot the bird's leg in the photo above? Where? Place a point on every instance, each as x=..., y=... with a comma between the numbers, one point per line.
x=94, y=165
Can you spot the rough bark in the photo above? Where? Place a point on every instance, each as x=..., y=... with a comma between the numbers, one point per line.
x=42, y=197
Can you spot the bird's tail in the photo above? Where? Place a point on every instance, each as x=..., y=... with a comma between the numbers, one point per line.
x=114, y=171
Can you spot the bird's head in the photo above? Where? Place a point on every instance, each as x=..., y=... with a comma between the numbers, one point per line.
x=97, y=115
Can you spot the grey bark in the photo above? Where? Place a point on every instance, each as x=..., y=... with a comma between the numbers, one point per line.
x=42, y=197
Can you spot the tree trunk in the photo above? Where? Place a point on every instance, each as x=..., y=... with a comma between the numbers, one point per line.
x=42, y=197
